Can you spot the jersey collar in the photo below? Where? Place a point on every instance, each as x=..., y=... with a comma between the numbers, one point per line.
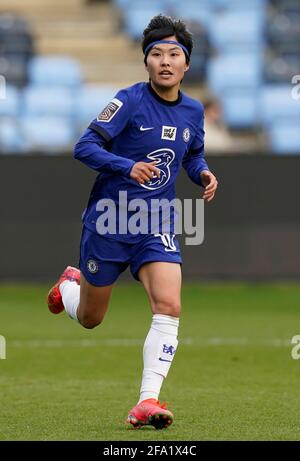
x=164, y=101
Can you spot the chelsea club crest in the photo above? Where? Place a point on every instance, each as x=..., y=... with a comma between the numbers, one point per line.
x=186, y=134
x=92, y=266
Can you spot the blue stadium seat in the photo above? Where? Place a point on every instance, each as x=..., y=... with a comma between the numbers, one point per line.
x=195, y=10
x=137, y=17
x=240, y=5
x=276, y=102
x=234, y=70
x=238, y=30
x=90, y=102
x=10, y=105
x=240, y=108
x=284, y=136
x=47, y=134
x=14, y=69
x=136, y=3
x=122, y=3
x=283, y=34
x=48, y=101
x=13, y=24
x=11, y=140
x=279, y=68
x=16, y=45
x=54, y=71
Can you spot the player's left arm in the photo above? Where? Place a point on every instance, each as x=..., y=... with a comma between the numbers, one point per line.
x=197, y=169
x=196, y=166
x=210, y=184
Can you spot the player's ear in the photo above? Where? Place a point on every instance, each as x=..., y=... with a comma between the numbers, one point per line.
x=186, y=67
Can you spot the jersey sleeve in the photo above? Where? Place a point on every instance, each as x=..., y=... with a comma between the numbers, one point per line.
x=90, y=150
x=114, y=117
x=91, y=147
x=194, y=160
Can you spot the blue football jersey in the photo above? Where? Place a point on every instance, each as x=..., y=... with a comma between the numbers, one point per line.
x=138, y=125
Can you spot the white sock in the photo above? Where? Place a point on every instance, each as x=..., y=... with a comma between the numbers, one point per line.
x=159, y=349
x=70, y=292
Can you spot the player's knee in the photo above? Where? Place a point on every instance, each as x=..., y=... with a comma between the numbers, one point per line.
x=90, y=322
x=167, y=307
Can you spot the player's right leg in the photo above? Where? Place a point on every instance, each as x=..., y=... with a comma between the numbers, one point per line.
x=85, y=294
x=82, y=301
x=54, y=298
x=93, y=303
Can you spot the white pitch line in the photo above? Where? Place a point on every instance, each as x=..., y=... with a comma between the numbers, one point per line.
x=116, y=342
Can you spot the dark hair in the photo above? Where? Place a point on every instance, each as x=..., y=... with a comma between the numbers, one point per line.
x=161, y=27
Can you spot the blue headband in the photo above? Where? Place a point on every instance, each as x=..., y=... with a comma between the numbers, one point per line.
x=171, y=42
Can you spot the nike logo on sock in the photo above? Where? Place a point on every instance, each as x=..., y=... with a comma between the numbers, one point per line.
x=146, y=129
x=164, y=360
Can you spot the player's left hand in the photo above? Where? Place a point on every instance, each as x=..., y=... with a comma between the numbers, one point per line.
x=210, y=185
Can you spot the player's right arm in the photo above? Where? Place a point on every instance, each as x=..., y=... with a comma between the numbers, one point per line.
x=143, y=171
x=90, y=150
x=91, y=147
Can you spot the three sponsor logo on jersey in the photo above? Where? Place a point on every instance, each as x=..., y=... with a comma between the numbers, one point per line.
x=163, y=156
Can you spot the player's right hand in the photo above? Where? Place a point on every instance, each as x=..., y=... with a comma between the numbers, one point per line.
x=144, y=171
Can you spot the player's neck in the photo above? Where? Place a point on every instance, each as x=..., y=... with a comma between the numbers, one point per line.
x=169, y=94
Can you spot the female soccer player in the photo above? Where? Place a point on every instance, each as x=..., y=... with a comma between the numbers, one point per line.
x=138, y=144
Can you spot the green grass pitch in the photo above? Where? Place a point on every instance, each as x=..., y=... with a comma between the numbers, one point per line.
x=233, y=377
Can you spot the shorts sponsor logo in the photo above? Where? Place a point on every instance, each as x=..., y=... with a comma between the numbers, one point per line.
x=92, y=266
x=110, y=111
x=168, y=133
x=186, y=135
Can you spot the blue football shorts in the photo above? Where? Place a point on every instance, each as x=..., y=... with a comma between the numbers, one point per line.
x=103, y=259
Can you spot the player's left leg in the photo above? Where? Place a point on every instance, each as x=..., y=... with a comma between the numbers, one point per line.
x=162, y=282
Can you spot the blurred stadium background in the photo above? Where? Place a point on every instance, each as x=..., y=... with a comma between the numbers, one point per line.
x=61, y=62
